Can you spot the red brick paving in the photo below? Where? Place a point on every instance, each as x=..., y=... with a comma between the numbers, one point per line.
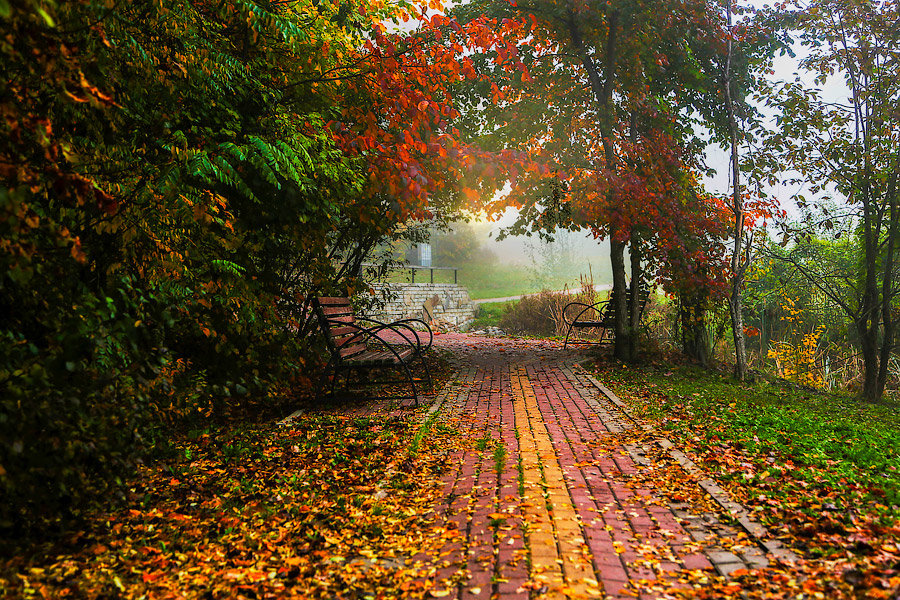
x=594, y=536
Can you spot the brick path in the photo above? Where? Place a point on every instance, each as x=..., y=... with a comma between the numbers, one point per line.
x=540, y=505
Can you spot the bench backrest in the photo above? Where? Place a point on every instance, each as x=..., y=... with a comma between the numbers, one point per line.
x=642, y=298
x=608, y=314
x=337, y=322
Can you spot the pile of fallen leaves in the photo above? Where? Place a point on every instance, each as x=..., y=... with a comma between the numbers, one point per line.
x=320, y=506
x=830, y=500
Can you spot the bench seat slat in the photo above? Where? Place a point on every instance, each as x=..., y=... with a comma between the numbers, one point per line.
x=352, y=350
x=332, y=319
x=376, y=357
x=333, y=301
x=339, y=332
x=341, y=341
x=337, y=310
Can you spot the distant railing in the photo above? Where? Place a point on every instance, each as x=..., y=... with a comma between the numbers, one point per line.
x=431, y=270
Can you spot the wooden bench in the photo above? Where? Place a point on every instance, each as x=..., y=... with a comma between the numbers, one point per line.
x=599, y=315
x=354, y=347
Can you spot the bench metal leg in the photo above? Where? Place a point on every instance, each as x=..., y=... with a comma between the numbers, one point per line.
x=322, y=380
x=427, y=372
x=335, y=373
x=412, y=383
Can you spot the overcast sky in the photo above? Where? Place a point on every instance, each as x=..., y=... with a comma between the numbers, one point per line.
x=786, y=68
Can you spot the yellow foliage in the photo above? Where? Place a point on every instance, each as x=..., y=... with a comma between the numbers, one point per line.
x=798, y=360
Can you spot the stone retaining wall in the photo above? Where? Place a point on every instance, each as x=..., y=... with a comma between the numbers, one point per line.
x=454, y=305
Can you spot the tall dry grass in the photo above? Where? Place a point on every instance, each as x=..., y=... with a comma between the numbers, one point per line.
x=544, y=313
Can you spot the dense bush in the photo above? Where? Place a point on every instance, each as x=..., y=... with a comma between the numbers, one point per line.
x=127, y=297
x=542, y=313
x=174, y=186
x=532, y=315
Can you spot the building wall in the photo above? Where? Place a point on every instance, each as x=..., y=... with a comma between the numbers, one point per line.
x=454, y=305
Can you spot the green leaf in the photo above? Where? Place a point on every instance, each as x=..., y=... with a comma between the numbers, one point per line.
x=46, y=16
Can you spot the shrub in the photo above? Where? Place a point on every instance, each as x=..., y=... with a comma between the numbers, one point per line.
x=156, y=230
x=489, y=314
x=532, y=315
x=542, y=313
x=76, y=381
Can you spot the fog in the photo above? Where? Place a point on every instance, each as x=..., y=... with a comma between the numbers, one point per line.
x=570, y=255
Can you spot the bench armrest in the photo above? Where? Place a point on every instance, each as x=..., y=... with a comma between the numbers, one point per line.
x=586, y=307
x=412, y=337
x=364, y=334
x=416, y=332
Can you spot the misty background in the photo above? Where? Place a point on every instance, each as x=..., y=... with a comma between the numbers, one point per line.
x=516, y=265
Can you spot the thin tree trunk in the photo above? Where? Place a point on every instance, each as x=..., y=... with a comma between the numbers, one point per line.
x=634, y=309
x=620, y=306
x=887, y=286
x=737, y=326
x=870, y=317
x=738, y=265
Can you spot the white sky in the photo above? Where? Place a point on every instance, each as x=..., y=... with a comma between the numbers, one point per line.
x=786, y=69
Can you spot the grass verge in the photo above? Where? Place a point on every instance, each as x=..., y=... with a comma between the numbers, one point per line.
x=490, y=313
x=822, y=472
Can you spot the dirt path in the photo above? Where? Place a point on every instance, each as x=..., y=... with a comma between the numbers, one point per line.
x=546, y=502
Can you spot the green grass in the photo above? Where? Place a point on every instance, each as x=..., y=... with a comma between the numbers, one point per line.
x=801, y=447
x=489, y=314
x=820, y=471
x=492, y=280
x=496, y=280
x=499, y=457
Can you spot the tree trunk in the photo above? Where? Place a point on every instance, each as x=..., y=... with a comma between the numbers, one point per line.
x=738, y=265
x=887, y=286
x=634, y=308
x=694, y=336
x=869, y=349
x=737, y=326
x=620, y=306
x=602, y=88
x=869, y=321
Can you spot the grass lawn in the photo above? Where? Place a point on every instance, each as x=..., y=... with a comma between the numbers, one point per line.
x=490, y=313
x=500, y=280
x=493, y=280
x=822, y=472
